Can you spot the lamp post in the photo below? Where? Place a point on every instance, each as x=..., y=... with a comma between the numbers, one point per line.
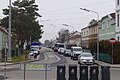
x=69, y=26
x=9, y=35
x=97, y=29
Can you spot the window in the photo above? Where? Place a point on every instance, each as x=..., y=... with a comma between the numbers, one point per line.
x=81, y=33
x=87, y=33
x=104, y=25
x=118, y=38
x=117, y=2
x=117, y=20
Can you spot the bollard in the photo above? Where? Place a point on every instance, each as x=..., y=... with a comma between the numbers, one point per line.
x=94, y=72
x=72, y=72
x=83, y=72
x=61, y=72
x=105, y=72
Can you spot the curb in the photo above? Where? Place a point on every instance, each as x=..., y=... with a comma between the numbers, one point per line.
x=19, y=62
x=100, y=63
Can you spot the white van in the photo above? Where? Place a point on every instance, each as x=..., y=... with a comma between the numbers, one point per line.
x=75, y=52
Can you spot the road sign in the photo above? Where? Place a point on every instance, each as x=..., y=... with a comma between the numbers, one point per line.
x=112, y=40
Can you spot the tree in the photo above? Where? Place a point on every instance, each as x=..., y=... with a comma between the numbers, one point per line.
x=24, y=20
x=63, y=35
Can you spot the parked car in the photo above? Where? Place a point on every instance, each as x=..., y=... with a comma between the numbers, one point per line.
x=67, y=49
x=57, y=46
x=61, y=48
x=85, y=58
x=33, y=53
x=75, y=52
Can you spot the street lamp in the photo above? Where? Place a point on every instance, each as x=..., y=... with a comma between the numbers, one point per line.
x=97, y=29
x=69, y=26
x=9, y=35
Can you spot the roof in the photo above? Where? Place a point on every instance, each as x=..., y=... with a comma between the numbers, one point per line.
x=84, y=28
x=75, y=36
x=92, y=23
x=112, y=15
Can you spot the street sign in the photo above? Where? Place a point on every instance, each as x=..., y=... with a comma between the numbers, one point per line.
x=112, y=40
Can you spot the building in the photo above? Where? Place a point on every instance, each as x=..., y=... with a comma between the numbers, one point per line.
x=117, y=3
x=93, y=32
x=75, y=38
x=3, y=40
x=107, y=27
x=85, y=37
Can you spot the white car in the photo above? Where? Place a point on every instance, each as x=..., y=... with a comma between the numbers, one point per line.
x=67, y=51
x=85, y=58
x=75, y=52
x=61, y=50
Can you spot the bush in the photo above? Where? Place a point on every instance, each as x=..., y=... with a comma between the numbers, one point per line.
x=106, y=47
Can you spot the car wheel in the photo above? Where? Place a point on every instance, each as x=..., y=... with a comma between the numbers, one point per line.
x=73, y=58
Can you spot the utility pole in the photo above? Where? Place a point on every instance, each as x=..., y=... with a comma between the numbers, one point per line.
x=9, y=35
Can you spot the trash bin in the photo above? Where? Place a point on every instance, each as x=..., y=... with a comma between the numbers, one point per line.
x=83, y=72
x=105, y=72
x=61, y=72
x=94, y=72
x=72, y=72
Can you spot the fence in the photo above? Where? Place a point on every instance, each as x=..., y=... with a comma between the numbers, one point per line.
x=40, y=71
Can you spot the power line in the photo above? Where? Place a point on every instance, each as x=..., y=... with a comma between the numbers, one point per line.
x=94, y=4
x=54, y=14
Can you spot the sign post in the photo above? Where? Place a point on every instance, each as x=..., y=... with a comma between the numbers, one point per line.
x=112, y=41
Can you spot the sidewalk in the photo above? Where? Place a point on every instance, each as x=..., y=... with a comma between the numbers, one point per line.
x=107, y=64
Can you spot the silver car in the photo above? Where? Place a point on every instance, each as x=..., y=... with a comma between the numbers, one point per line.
x=85, y=58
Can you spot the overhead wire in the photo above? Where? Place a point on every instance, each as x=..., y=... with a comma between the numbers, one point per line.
x=94, y=4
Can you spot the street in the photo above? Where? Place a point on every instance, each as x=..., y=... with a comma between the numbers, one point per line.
x=51, y=59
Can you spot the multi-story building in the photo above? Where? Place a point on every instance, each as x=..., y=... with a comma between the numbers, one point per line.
x=85, y=37
x=93, y=31
x=75, y=38
x=117, y=3
x=107, y=27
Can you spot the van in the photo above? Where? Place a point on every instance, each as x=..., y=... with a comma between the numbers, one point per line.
x=75, y=52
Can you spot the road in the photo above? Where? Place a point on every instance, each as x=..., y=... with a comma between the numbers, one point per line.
x=51, y=58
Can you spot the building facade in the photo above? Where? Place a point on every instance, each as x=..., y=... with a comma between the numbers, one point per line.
x=93, y=31
x=85, y=37
x=117, y=3
x=3, y=40
x=75, y=38
x=107, y=27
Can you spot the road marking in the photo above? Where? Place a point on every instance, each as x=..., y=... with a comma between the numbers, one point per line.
x=37, y=66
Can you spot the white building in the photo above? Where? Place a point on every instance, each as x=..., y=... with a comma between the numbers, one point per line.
x=85, y=37
x=117, y=3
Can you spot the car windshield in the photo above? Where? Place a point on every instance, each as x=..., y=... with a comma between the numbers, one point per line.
x=61, y=46
x=33, y=49
x=86, y=55
x=77, y=49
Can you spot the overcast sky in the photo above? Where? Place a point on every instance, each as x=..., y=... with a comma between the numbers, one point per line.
x=57, y=12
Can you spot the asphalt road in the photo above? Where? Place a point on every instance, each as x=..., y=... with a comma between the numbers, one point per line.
x=37, y=70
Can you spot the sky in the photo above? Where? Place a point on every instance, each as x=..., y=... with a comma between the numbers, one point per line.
x=55, y=13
